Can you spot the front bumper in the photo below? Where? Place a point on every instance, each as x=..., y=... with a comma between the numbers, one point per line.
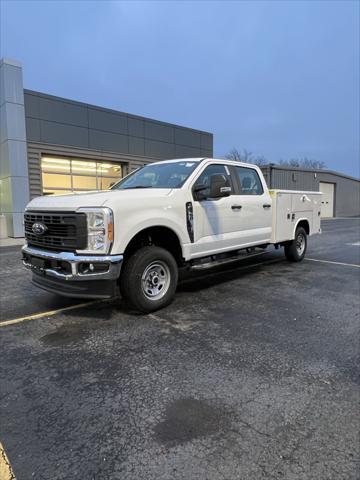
x=68, y=274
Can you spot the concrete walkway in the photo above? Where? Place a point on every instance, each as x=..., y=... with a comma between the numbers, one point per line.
x=11, y=242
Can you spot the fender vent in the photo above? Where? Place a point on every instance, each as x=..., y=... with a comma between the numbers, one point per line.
x=190, y=220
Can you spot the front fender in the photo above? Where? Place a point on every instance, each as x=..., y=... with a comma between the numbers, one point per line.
x=124, y=236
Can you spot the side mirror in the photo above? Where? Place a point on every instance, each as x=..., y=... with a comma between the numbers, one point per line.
x=199, y=187
x=219, y=186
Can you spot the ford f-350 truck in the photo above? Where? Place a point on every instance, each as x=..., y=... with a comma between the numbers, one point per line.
x=195, y=212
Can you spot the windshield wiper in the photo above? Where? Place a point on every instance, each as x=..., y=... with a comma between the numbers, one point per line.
x=137, y=186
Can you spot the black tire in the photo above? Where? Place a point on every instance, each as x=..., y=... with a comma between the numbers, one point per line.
x=157, y=266
x=296, y=249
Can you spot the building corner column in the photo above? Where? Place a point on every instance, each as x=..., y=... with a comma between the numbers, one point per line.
x=14, y=174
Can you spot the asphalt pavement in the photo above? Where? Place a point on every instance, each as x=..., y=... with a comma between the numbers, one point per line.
x=252, y=373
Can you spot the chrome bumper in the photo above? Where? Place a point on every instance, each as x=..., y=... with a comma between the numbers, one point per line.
x=69, y=266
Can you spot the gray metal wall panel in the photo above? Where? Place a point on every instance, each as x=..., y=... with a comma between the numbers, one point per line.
x=159, y=149
x=108, y=122
x=33, y=129
x=187, y=137
x=206, y=153
x=108, y=141
x=182, y=151
x=294, y=180
x=207, y=141
x=63, y=112
x=32, y=106
x=136, y=127
x=57, y=121
x=156, y=131
x=60, y=134
x=137, y=146
x=35, y=183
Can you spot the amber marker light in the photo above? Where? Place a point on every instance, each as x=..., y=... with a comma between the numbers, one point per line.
x=111, y=232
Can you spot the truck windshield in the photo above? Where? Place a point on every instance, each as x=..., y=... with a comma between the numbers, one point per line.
x=158, y=175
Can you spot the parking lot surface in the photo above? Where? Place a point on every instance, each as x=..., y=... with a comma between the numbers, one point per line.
x=252, y=373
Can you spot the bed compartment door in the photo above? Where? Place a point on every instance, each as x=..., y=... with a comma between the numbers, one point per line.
x=283, y=224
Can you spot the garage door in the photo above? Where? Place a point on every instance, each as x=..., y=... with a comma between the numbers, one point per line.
x=327, y=201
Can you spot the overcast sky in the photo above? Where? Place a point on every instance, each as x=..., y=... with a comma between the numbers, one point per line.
x=280, y=79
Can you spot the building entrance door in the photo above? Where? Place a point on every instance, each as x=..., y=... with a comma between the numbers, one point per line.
x=327, y=201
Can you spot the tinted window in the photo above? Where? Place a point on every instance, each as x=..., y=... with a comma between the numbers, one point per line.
x=249, y=180
x=204, y=178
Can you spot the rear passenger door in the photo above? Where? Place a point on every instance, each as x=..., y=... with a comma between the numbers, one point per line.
x=254, y=217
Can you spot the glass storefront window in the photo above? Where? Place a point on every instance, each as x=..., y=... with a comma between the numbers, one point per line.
x=66, y=175
x=85, y=168
x=84, y=183
x=55, y=164
x=106, y=183
x=54, y=180
x=56, y=192
x=108, y=170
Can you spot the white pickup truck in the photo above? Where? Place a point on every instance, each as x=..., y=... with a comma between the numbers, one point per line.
x=193, y=213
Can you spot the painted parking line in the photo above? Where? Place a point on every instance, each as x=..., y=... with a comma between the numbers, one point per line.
x=6, y=472
x=210, y=274
x=50, y=313
x=333, y=263
x=355, y=244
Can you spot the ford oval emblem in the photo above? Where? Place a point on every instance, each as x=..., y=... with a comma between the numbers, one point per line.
x=39, y=228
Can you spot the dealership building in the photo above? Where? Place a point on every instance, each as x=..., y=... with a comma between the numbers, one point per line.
x=51, y=145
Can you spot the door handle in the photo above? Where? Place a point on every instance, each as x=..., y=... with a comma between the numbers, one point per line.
x=267, y=205
x=236, y=207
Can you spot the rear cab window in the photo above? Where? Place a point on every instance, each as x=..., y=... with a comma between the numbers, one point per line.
x=249, y=181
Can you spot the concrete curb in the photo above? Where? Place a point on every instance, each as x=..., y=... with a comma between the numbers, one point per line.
x=10, y=242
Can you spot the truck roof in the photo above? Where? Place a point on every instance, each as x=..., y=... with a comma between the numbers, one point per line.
x=201, y=159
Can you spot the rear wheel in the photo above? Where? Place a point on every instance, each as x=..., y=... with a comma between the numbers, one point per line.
x=149, y=278
x=296, y=249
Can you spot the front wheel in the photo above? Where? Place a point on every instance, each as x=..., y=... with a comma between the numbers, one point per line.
x=149, y=278
x=296, y=249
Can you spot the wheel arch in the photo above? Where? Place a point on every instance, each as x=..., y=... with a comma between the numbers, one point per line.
x=159, y=235
x=302, y=222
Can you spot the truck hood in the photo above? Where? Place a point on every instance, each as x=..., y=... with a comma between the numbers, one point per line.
x=94, y=199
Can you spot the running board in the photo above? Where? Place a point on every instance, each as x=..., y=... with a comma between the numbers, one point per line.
x=223, y=261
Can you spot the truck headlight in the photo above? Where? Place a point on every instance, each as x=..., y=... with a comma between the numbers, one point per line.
x=100, y=229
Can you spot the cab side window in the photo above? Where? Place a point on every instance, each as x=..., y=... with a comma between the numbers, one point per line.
x=204, y=178
x=250, y=183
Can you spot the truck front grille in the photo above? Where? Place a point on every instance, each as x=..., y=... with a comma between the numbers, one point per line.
x=63, y=231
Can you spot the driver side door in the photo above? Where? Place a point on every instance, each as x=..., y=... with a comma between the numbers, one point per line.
x=214, y=225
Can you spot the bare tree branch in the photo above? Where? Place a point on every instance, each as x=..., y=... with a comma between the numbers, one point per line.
x=248, y=157
x=303, y=163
